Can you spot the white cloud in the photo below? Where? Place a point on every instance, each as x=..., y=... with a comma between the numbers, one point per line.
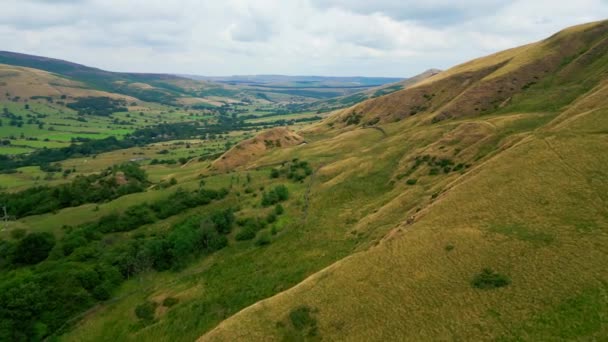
x=328, y=37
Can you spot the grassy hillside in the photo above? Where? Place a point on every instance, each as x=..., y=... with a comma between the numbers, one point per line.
x=478, y=225
x=544, y=76
x=528, y=204
x=147, y=87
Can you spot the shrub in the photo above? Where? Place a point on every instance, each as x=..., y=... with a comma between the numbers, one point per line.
x=489, y=279
x=170, y=301
x=18, y=233
x=277, y=194
x=278, y=210
x=271, y=218
x=301, y=318
x=223, y=220
x=34, y=248
x=102, y=291
x=146, y=311
x=245, y=234
x=411, y=181
x=263, y=239
x=274, y=173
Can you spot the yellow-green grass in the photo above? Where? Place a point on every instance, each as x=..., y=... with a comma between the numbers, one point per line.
x=356, y=198
x=39, y=143
x=221, y=285
x=535, y=212
x=352, y=204
x=512, y=210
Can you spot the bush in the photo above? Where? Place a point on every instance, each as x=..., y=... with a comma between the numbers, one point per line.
x=271, y=218
x=489, y=279
x=34, y=248
x=263, y=239
x=223, y=220
x=101, y=292
x=274, y=173
x=18, y=233
x=170, y=301
x=245, y=234
x=146, y=311
x=278, y=194
x=278, y=210
x=411, y=181
x=301, y=318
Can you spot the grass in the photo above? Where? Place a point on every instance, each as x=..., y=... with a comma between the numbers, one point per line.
x=521, y=232
x=576, y=317
x=488, y=279
x=536, y=200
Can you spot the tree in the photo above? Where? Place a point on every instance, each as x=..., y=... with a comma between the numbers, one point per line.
x=146, y=311
x=34, y=248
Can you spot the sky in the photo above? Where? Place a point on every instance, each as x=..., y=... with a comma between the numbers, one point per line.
x=392, y=38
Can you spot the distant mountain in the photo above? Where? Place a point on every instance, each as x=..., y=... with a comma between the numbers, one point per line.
x=302, y=89
x=360, y=96
x=277, y=81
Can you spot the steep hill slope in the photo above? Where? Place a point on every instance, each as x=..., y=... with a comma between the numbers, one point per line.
x=543, y=76
x=495, y=164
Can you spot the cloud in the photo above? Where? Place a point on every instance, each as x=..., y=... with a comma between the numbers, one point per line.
x=328, y=37
x=431, y=12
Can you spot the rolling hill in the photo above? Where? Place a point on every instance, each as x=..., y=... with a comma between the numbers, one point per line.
x=305, y=87
x=160, y=88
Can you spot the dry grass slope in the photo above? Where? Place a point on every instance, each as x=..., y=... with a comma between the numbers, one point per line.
x=27, y=82
x=531, y=205
x=490, y=83
x=254, y=148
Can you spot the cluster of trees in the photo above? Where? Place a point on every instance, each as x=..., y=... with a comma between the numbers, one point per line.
x=186, y=241
x=295, y=170
x=437, y=165
x=275, y=195
x=145, y=213
x=101, y=106
x=96, y=188
x=251, y=226
x=44, y=282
